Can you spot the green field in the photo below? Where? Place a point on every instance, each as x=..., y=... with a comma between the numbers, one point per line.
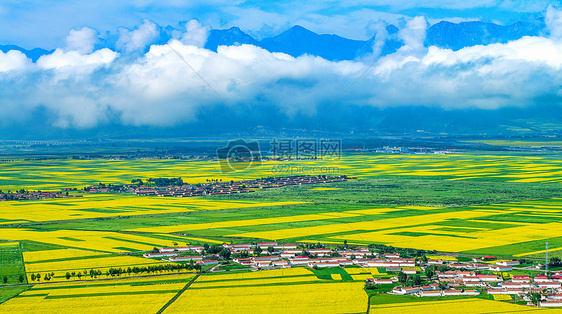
x=11, y=264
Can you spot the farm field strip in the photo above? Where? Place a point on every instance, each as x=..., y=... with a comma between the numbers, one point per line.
x=100, y=241
x=94, y=298
x=41, y=256
x=267, y=221
x=87, y=264
x=345, y=297
x=103, y=206
x=469, y=305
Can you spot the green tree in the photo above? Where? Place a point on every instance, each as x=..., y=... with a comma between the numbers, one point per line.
x=416, y=280
x=225, y=254
x=258, y=250
x=535, y=298
x=32, y=277
x=20, y=278
x=5, y=279
x=402, y=277
x=270, y=249
x=430, y=272
x=67, y=275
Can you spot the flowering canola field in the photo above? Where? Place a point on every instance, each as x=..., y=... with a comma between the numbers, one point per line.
x=453, y=230
x=468, y=306
x=117, y=296
x=284, y=296
x=58, y=174
x=102, y=206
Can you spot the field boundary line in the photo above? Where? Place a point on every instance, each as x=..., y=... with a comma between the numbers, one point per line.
x=23, y=263
x=172, y=300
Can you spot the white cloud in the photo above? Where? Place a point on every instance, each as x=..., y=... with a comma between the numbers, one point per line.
x=74, y=60
x=82, y=40
x=414, y=33
x=157, y=88
x=139, y=38
x=196, y=34
x=13, y=60
x=553, y=20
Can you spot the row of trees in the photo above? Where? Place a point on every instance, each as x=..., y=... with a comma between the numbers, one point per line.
x=413, y=280
x=136, y=270
x=5, y=279
x=46, y=277
x=406, y=252
x=165, y=181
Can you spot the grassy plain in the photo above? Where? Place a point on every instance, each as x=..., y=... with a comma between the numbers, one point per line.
x=11, y=264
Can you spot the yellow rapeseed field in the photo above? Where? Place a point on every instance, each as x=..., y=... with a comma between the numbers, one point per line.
x=291, y=296
x=94, y=298
x=441, y=257
x=101, y=241
x=37, y=256
x=502, y=297
x=468, y=306
x=8, y=243
x=426, y=230
x=58, y=174
x=99, y=206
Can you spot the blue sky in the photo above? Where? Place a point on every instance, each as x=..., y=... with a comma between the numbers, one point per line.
x=38, y=23
x=138, y=80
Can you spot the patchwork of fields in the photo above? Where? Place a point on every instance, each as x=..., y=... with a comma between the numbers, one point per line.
x=60, y=173
x=474, y=204
x=103, y=206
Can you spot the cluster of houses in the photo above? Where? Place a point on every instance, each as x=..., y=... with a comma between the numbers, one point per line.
x=171, y=254
x=37, y=195
x=498, y=266
x=465, y=279
x=432, y=291
x=217, y=187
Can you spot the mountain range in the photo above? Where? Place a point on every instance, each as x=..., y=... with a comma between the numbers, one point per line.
x=298, y=40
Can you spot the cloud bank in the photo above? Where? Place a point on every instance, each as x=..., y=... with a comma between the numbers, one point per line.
x=144, y=83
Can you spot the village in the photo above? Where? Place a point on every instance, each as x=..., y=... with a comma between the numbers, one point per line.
x=176, y=187
x=417, y=276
